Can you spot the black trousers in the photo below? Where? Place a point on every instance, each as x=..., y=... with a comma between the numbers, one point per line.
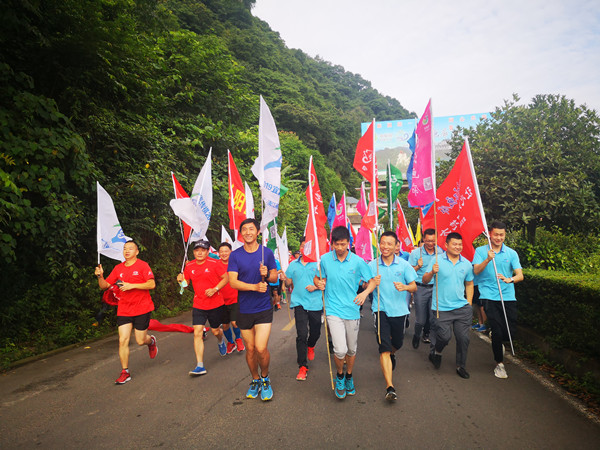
x=308, y=329
x=495, y=316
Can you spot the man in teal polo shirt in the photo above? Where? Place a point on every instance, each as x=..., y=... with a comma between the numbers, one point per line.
x=454, y=277
x=396, y=280
x=509, y=272
x=341, y=272
x=307, y=303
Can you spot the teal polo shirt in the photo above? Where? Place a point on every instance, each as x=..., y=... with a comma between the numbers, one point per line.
x=343, y=279
x=391, y=301
x=416, y=254
x=451, y=282
x=302, y=276
x=507, y=260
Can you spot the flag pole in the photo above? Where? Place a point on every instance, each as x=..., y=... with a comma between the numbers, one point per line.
x=437, y=303
x=389, y=174
x=374, y=189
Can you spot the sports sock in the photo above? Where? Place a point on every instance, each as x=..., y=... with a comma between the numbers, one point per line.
x=348, y=375
x=200, y=364
x=228, y=335
x=340, y=376
x=236, y=330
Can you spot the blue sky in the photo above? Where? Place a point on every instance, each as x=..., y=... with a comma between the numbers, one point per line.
x=468, y=56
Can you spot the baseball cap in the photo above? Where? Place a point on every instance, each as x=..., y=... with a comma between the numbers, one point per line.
x=202, y=243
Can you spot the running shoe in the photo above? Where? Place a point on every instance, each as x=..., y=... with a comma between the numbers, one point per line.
x=500, y=371
x=123, y=378
x=222, y=348
x=350, y=390
x=311, y=353
x=390, y=394
x=266, y=391
x=254, y=389
x=152, y=347
x=481, y=328
x=475, y=326
x=463, y=373
x=198, y=370
x=340, y=387
x=230, y=348
x=416, y=341
x=426, y=339
x=436, y=360
x=302, y=373
x=240, y=345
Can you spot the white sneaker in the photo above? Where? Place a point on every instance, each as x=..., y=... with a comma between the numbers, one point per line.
x=500, y=371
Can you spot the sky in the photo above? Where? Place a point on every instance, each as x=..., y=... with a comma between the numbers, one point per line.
x=467, y=56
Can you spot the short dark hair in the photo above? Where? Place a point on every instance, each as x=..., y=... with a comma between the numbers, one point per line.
x=389, y=234
x=496, y=224
x=453, y=235
x=131, y=241
x=250, y=220
x=224, y=244
x=302, y=239
x=339, y=234
x=429, y=232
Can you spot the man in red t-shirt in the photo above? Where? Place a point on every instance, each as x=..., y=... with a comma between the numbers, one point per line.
x=208, y=276
x=230, y=296
x=134, y=279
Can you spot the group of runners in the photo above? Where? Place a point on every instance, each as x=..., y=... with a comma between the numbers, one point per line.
x=232, y=295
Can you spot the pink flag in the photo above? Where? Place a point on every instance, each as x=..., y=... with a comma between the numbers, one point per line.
x=422, y=191
x=459, y=206
x=402, y=230
x=340, y=219
x=361, y=207
x=362, y=245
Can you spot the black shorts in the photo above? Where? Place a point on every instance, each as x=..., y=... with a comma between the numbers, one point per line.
x=230, y=314
x=214, y=316
x=276, y=288
x=391, y=332
x=141, y=322
x=476, y=299
x=247, y=321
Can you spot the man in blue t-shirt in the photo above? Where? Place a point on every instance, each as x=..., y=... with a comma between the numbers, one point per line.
x=250, y=268
x=307, y=302
x=342, y=272
x=454, y=277
x=395, y=279
x=509, y=272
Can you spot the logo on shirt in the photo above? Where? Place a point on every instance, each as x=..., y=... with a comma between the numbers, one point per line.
x=135, y=273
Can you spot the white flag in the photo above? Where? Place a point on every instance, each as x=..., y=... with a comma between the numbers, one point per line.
x=267, y=167
x=249, y=202
x=110, y=236
x=202, y=198
x=225, y=236
x=282, y=248
x=186, y=210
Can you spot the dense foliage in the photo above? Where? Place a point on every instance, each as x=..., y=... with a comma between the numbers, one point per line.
x=124, y=92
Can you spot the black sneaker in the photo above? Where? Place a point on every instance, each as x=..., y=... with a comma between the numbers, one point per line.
x=390, y=394
x=426, y=339
x=436, y=360
x=416, y=341
x=463, y=373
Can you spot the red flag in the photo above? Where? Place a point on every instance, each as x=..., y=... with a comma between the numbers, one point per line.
x=180, y=193
x=458, y=205
x=369, y=220
x=365, y=162
x=402, y=230
x=237, y=196
x=316, y=237
x=422, y=187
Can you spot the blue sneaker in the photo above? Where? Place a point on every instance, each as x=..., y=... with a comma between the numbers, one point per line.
x=350, y=390
x=475, y=326
x=222, y=348
x=254, y=389
x=266, y=391
x=340, y=388
x=198, y=370
x=481, y=328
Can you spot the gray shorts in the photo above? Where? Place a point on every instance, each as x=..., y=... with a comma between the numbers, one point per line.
x=344, y=336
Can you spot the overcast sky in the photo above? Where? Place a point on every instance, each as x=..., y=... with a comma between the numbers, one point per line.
x=468, y=56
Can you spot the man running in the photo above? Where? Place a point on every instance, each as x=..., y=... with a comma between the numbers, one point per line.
x=308, y=309
x=250, y=268
x=134, y=279
x=454, y=277
x=342, y=272
x=509, y=272
x=208, y=277
x=230, y=297
x=396, y=280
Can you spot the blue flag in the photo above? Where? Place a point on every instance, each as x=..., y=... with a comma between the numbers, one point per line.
x=331, y=211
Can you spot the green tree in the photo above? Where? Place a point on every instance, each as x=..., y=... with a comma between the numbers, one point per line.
x=539, y=164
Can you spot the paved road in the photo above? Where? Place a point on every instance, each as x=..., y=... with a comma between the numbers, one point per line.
x=70, y=401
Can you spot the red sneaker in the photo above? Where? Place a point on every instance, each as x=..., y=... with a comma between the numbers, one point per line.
x=152, y=347
x=302, y=374
x=230, y=348
x=123, y=378
x=240, y=345
x=311, y=353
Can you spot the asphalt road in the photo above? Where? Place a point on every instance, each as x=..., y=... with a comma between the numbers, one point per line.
x=70, y=400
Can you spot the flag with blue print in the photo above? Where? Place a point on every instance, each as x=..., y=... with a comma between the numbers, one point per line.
x=109, y=234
